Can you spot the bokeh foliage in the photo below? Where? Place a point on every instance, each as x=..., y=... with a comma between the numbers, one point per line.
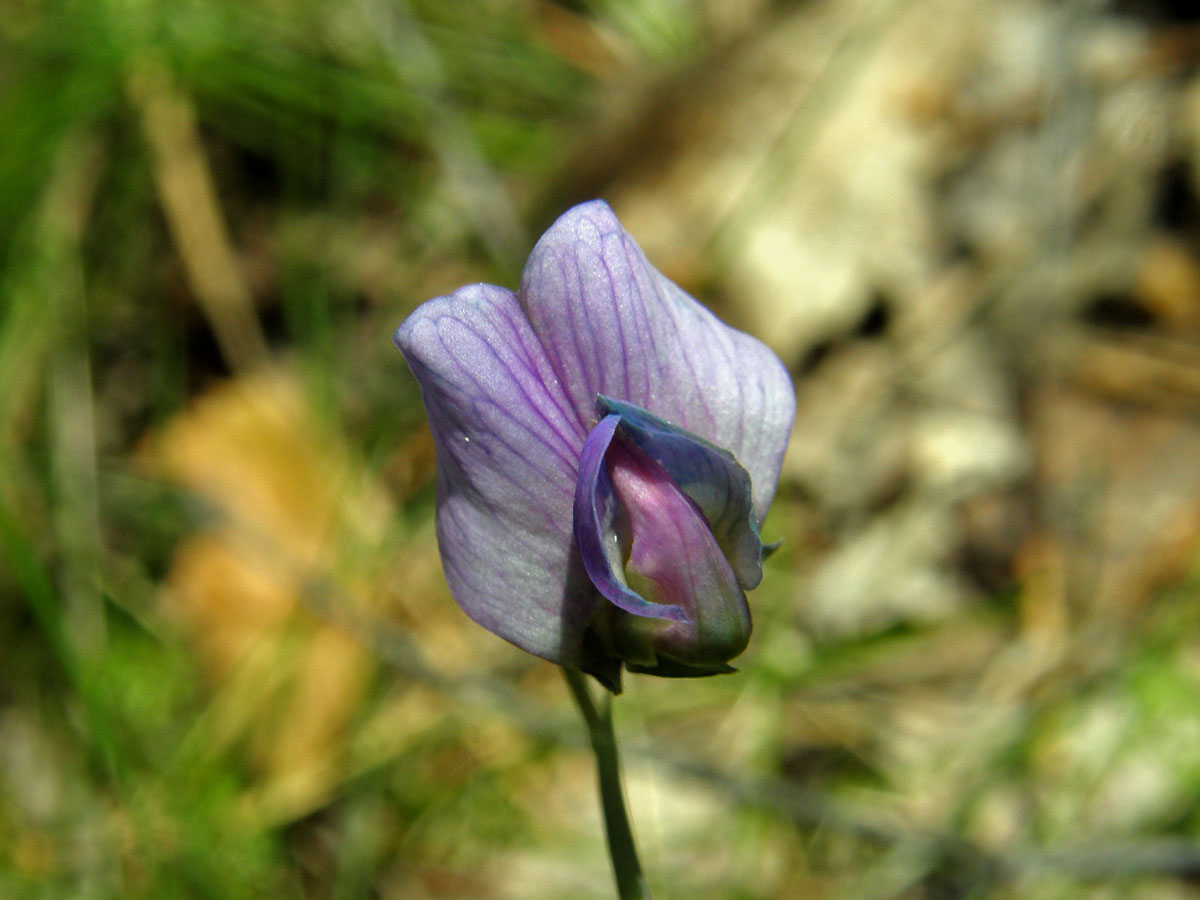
x=228, y=663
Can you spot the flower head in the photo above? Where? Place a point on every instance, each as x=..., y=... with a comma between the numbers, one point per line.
x=606, y=451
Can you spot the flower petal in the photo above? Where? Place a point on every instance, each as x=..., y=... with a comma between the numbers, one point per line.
x=612, y=324
x=507, y=444
x=596, y=509
x=709, y=475
x=675, y=561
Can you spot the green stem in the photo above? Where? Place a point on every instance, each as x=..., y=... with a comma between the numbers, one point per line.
x=631, y=883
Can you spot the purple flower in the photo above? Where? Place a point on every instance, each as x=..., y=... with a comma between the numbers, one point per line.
x=606, y=451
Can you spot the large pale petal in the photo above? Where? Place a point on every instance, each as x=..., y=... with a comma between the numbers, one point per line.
x=508, y=444
x=612, y=324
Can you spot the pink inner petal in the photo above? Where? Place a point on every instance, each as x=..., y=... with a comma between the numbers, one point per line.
x=674, y=559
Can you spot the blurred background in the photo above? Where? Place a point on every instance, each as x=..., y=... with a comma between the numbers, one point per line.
x=229, y=665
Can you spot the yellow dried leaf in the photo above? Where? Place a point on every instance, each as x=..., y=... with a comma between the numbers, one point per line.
x=290, y=507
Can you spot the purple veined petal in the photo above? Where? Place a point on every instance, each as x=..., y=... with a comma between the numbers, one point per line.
x=612, y=324
x=714, y=480
x=508, y=445
x=595, y=512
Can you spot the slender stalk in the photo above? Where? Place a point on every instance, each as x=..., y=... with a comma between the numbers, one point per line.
x=631, y=883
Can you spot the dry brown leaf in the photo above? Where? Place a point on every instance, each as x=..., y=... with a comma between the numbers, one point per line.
x=1123, y=487
x=290, y=507
x=1169, y=285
